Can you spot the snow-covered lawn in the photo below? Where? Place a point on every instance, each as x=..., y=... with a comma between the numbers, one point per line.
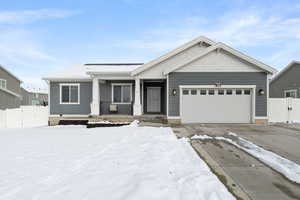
x=72, y=162
x=289, y=169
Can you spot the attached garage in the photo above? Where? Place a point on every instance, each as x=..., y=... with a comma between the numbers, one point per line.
x=210, y=104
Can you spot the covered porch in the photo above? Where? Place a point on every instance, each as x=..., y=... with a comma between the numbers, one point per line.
x=128, y=97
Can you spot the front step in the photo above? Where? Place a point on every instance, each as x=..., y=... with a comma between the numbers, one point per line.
x=153, y=119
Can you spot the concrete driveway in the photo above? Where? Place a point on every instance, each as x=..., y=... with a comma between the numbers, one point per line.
x=256, y=179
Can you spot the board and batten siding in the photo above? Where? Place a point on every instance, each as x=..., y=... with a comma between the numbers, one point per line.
x=86, y=98
x=225, y=78
x=289, y=80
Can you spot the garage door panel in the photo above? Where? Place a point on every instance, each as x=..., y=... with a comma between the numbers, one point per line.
x=216, y=108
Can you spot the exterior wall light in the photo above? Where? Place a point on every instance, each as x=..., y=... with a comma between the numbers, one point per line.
x=174, y=92
x=218, y=84
x=261, y=92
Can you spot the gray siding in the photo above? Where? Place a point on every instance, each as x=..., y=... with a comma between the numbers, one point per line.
x=12, y=83
x=81, y=109
x=210, y=78
x=290, y=79
x=105, y=98
x=86, y=98
x=28, y=97
x=8, y=101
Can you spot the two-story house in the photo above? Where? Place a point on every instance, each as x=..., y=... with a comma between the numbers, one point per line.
x=10, y=91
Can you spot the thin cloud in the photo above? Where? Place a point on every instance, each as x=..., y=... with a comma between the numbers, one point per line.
x=244, y=30
x=30, y=16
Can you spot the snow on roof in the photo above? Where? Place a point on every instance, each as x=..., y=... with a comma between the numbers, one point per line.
x=72, y=72
x=83, y=71
x=36, y=90
x=112, y=67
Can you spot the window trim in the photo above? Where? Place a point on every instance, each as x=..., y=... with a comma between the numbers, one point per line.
x=291, y=90
x=60, y=93
x=5, y=81
x=121, y=84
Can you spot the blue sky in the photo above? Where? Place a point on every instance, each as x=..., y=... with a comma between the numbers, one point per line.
x=38, y=37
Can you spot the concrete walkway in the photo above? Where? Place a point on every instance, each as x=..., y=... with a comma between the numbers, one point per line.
x=253, y=177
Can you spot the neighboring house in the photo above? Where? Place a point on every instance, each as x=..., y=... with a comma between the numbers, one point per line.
x=10, y=92
x=287, y=82
x=34, y=97
x=201, y=81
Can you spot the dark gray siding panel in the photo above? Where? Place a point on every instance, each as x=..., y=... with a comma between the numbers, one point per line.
x=210, y=78
x=81, y=109
x=105, y=98
x=8, y=101
x=12, y=83
x=288, y=80
x=86, y=98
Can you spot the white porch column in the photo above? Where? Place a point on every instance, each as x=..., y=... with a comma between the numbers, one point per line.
x=137, y=107
x=95, y=105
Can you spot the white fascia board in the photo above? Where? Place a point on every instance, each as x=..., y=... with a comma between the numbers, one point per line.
x=11, y=74
x=217, y=87
x=11, y=92
x=67, y=79
x=285, y=69
x=172, y=53
x=230, y=50
x=249, y=59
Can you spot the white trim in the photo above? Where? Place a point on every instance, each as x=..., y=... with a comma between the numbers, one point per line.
x=67, y=79
x=120, y=84
x=268, y=94
x=11, y=92
x=60, y=93
x=173, y=117
x=142, y=96
x=112, y=77
x=167, y=88
x=5, y=81
x=7, y=71
x=228, y=49
x=263, y=117
x=49, y=97
x=179, y=49
x=69, y=115
x=290, y=90
x=216, y=87
x=252, y=87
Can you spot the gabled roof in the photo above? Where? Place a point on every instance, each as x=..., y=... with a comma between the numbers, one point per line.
x=220, y=45
x=285, y=69
x=11, y=74
x=172, y=53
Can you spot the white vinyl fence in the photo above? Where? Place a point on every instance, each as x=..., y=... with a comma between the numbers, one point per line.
x=284, y=110
x=23, y=117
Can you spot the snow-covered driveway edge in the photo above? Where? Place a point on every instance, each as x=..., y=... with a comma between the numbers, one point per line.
x=288, y=168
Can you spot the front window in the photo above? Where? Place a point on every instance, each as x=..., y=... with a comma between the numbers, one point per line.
x=121, y=93
x=69, y=93
x=2, y=83
x=290, y=93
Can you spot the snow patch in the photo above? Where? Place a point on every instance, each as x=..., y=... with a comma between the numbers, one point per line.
x=289, y=169
x=201, y=137
x=128, y=162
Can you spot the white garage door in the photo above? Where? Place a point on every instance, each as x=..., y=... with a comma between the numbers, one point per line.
x=202, y=105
